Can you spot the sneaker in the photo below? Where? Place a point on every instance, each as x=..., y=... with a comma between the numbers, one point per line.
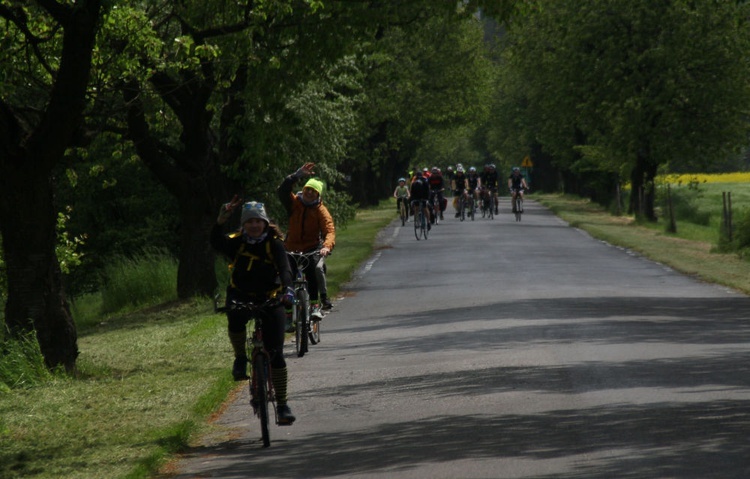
x=286, y=418
x=316, y=312
x=239, y=369
x=325, y=304
x=429, y=226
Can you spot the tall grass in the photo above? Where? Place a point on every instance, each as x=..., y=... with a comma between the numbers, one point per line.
x=149, y=278
x=21, y=363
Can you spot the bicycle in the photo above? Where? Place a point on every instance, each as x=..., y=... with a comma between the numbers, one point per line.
x=420, y=221
x=403, y=210
x=517, y=203
x=262, y=392
x=461, y=207
x=436, y=206
x=306, y=328
x=487, y=203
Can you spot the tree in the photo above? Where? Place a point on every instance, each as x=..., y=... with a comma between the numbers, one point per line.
x=46, y=61
x=622, y=88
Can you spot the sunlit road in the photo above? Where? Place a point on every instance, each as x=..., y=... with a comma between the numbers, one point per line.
x=503, y=349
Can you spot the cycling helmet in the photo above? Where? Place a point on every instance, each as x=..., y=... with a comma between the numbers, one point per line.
x=492, y=166
x=435, y=169
x=450, y=168
x=516, y=169
x=472, y=170
x=459, y=169
x=402, y=179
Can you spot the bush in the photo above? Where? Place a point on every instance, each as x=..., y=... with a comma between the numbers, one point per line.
x=684, y=203
x=742, y=233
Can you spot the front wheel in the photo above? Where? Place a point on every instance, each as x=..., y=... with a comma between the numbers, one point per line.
x=303, y=321
x=259, y=393
x=314, y=332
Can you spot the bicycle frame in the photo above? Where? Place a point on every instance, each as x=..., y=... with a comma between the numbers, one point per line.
x=306, y=329
x=262, y=392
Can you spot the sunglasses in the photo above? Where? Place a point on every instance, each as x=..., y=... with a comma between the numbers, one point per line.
x=253, y=205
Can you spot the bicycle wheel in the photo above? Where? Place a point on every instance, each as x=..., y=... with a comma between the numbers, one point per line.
x=472, y=210
x=314, y=331
x=299, y=330
x=303, y=298
x=417, y=224
x=259, y=393
x=404, y=213
x=461, y=209
x=425, y=230
x=519, y=206
x=303, y=320
x=436, y=209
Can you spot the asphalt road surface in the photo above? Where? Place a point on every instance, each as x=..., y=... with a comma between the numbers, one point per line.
x=502, y=349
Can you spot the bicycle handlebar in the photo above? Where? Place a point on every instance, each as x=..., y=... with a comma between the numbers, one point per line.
x=235, y=305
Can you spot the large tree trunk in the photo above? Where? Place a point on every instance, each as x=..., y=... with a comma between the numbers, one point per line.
x=192, y=175
x=36, y=300
x=29, y=151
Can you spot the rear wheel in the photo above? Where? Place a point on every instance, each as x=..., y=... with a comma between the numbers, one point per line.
x=417, y=224
x=259, y=393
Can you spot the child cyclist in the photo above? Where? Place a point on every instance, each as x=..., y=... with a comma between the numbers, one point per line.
x=401, y=193
x=260, y=271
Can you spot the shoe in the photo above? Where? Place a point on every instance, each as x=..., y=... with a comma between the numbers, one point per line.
x=239, y=369
x=316, y=313
x=429, y=226
x=441, y=216
x=457, y=214
x=325, y=304
x=286, y=418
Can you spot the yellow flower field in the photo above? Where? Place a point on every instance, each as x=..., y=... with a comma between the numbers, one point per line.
x=738, y=177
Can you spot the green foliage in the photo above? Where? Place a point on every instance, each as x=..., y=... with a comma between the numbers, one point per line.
x=606, y=82
x=148, y=278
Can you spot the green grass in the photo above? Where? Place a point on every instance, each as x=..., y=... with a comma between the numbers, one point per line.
x=147, y=382
x=688, y=251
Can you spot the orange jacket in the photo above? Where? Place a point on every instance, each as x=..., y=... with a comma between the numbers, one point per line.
x=310, y=227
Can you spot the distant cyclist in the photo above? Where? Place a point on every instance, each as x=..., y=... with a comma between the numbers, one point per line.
x=490, y=180
x=474, y=184
x=460, y=185
x=419, y=193
x=401, y=193
x=437, y=186
x=517, y=185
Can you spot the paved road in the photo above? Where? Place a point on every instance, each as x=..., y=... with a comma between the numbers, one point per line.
x=503, y=349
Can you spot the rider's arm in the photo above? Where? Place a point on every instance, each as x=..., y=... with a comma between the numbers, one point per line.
x=285, y=193
x=327, y=228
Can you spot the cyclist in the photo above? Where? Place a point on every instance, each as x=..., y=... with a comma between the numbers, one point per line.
x=401, y=193
x=459, y=185
x=517, y=185
x=474, y=183
x=490, y=180
x=260, y=271
x=449, y=174
x=437, y=186
x=311, y=227
x=419, y=193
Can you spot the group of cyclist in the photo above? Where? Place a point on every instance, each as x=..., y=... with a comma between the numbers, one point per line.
x=262, y=271
x=427, y=184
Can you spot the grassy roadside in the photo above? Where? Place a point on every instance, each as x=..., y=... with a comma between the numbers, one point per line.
x=688, y=256
x=148, y=381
